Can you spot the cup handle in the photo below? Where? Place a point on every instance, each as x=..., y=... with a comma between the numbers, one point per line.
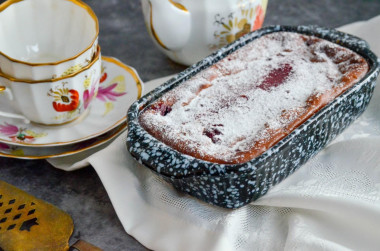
x=9, y=95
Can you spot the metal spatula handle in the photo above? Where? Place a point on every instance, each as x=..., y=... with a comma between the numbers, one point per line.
x=83, y=246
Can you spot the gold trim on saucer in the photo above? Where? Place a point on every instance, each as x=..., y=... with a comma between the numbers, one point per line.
x=68, y=153
x=2, y=88
x=27, y=81
x=154, y=31
x=116, y=124
x=178, y=5
x=79, y=3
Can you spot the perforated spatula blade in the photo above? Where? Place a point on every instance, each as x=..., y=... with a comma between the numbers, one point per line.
x=28, y=223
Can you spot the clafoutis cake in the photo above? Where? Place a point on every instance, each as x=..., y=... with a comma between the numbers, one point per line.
x=243, y=119
x=241, y=106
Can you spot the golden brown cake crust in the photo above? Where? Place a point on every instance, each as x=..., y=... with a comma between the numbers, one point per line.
x=237, y=109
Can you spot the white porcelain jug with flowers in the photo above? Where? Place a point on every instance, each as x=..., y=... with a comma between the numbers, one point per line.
x=189, y=30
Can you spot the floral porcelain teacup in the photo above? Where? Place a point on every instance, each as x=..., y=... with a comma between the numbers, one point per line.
x=50, y=102
x=189, y=30
x=44, y=39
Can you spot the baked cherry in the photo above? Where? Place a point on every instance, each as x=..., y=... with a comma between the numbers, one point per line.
x=276, y=77
x=212, y=133
x=161, y=107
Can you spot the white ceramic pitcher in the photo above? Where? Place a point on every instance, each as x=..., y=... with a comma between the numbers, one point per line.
x=189, y=30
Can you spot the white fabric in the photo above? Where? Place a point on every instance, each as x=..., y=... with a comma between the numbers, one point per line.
x=331, y=203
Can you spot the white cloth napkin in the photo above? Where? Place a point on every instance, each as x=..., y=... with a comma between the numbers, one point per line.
x=331, y=203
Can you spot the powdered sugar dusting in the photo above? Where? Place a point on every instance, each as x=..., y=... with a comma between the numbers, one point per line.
x=258, y=89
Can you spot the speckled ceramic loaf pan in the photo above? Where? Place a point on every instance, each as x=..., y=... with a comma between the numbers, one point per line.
x=233, y=186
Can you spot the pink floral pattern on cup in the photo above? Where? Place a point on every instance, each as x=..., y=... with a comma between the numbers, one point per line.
x=89, y=93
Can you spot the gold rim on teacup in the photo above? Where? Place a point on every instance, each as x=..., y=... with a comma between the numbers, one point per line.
x=51, y=101
x=27, y=81
x=79, y=3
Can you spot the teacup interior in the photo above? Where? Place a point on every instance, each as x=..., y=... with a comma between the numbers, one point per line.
x=43, y=31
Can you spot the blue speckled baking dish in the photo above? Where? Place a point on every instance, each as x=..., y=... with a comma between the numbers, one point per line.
x=232, y=186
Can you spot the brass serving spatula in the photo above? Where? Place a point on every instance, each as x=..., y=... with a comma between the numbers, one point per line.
x=28, y=223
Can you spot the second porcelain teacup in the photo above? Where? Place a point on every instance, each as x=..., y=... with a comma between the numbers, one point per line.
x=53, y=101
x=189, y=30
x=43, y=39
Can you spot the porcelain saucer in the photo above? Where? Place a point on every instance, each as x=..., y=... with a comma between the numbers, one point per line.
x=49, y=152
x=119, y=87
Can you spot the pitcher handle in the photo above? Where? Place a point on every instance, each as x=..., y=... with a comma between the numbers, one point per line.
x=169, y=23
x=9, y=95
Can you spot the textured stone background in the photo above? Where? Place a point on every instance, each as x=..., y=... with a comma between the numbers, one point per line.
x=123, y=35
